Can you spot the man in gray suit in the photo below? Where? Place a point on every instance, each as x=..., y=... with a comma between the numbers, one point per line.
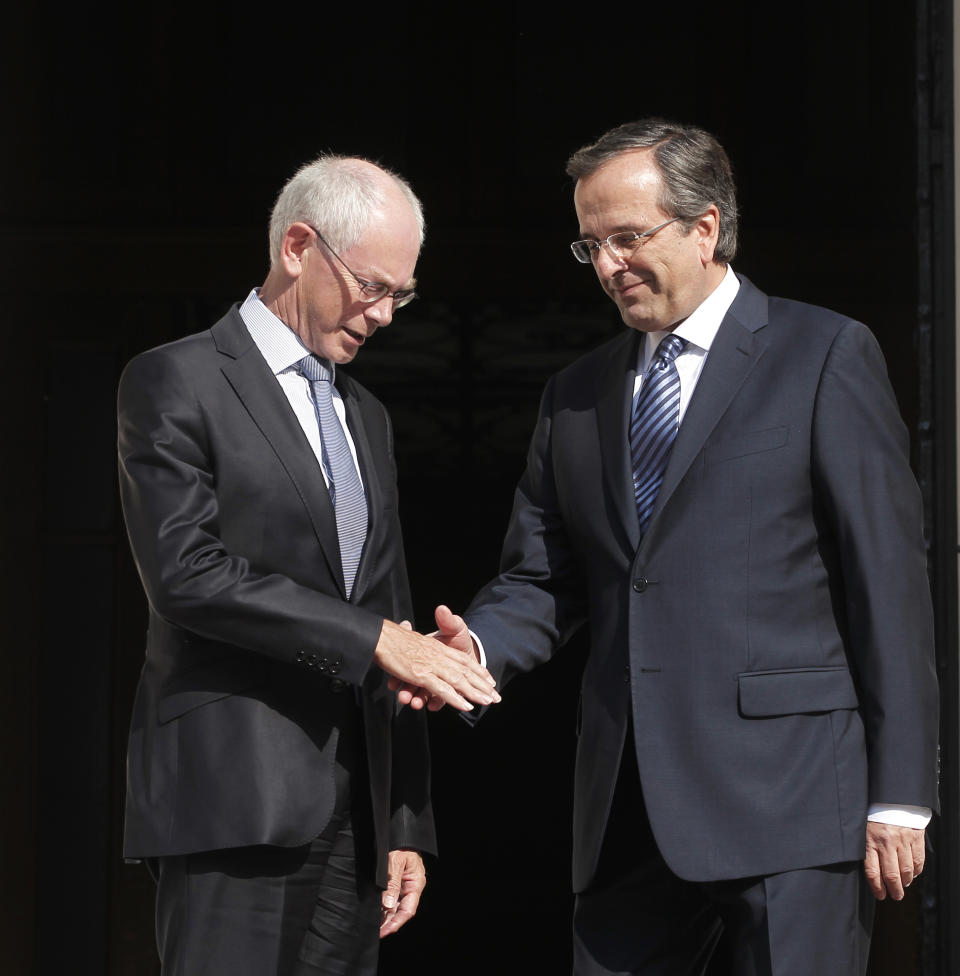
x=278, y=793
x=723, y=495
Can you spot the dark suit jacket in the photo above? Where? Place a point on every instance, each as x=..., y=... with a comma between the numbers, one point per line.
x=252, y=645
x=771, y=635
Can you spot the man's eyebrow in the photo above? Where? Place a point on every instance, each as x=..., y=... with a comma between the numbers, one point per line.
x=377, y=278
x=617, y=229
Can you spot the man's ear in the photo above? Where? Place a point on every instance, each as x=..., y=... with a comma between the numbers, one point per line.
x=297, y=240
x=707, y=229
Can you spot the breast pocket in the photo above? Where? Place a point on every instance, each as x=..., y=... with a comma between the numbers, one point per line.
x=751, y=442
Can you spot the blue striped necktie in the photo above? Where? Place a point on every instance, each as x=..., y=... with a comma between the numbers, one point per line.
x=346, y=491
x=656, y=417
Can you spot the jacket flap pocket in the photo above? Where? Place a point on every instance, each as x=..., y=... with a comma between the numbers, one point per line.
x=208, y=684
x=768, y=693
x=753, y=442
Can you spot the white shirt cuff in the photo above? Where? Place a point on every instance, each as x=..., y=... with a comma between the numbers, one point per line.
x=900, y=816
x=478, y=642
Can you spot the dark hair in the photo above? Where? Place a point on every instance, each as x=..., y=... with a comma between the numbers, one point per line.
x=694, y=170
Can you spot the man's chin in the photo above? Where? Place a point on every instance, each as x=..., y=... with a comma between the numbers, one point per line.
x=642, y=323
x=345, y=352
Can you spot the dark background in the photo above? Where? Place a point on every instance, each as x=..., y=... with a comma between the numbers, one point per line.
x=143, y=150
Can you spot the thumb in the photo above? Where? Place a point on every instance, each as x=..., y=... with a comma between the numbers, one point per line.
x=389, y=897
x=406, y=625
x=447, y=621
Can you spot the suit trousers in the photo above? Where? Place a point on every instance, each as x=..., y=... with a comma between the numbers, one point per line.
x=273, y=911
x=637, y=918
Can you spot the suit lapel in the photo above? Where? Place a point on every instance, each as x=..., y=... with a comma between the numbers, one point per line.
x=614, y=401
x=250, y=377
x=735, y=351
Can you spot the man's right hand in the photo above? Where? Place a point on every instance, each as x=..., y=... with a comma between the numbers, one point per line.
x=440, y=673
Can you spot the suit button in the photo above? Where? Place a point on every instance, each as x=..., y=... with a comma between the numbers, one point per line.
x=337, y=686
x=626, y=675
x=640, y=584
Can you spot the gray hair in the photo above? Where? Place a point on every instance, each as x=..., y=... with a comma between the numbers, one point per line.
x=694, y=169
x=338, y=195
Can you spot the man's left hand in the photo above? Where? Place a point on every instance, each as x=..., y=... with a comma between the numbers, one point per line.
x=406, y=878
x=895, y=856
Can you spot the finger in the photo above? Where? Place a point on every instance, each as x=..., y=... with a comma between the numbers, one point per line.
x=425, y=698
x=394, y=920
x=464, y=688
x=890, y=872
x=434, y=687
x=473, y=677
x=449, y=696
x=919, y=851
x=871, y=869
x=419, y=698
x=456, y=679
x=467, y=664
x=405, y=911
x=387, y=915
x=905, y=861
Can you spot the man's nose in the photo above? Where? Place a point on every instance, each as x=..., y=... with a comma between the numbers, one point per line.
x=380, y=312
x=608, y=263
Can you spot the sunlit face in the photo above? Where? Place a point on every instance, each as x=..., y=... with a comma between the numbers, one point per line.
x=331, y=319
x=661, y=283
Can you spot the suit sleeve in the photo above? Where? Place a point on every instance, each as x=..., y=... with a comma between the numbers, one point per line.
x=868, y=493
x=191, y=578
x=538, y=599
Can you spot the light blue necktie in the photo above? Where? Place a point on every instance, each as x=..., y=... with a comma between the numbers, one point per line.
x=346, y=491
x=656, y=417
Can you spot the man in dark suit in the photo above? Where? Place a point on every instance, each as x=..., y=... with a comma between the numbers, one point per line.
x=723, y=495
x=275, y=787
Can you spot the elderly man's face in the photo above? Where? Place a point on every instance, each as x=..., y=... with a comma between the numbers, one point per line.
x=663, y=281
x=333, y=322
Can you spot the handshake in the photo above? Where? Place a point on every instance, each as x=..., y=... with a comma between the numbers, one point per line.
x=433, y=670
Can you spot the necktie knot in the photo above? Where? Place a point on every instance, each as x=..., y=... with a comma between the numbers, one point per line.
x=670, y=347
x=314, y=369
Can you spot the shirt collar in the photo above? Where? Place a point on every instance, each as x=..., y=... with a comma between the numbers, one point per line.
x=701, y=326
x=279, y=345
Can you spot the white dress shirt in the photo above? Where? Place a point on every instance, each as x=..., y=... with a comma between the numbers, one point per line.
x=282, y=349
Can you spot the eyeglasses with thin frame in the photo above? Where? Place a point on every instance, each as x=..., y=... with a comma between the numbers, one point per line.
x=620, y=245
x=370, y=291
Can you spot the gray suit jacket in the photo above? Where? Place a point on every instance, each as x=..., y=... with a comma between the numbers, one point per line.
x=252, y=646
x=771, y=635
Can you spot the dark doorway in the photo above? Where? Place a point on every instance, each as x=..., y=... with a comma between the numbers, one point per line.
x=145, y=151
